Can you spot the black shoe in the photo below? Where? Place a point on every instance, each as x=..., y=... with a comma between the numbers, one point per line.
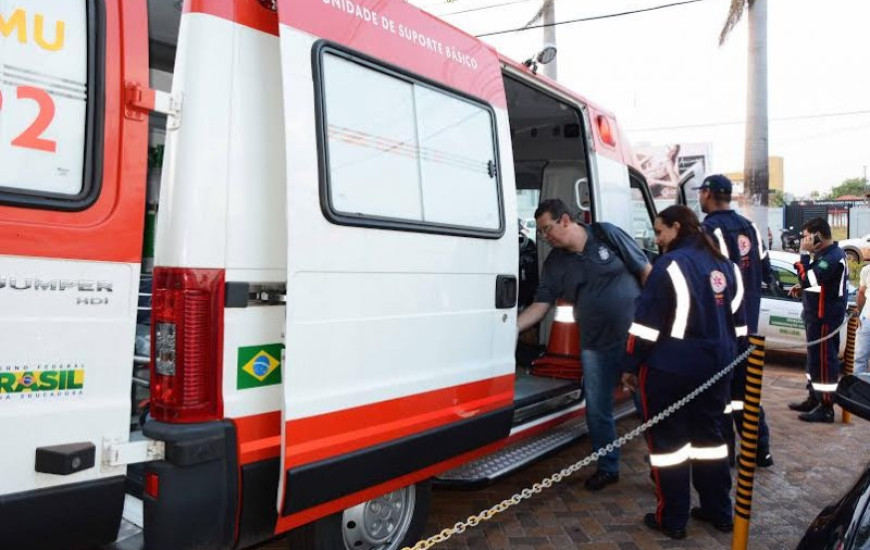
x=650, y=521
x=819, y=414
x=806, y=405
x=600, y=480
x=722, y=526
x=763, y=459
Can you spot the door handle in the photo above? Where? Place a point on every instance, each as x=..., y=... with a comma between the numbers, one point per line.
x=505, y=291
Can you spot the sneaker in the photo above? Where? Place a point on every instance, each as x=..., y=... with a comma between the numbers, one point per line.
x=819, y=414
x=763, y=459
x=600, y=480
x=650, y=521
x=721, y=526
x=806, y=405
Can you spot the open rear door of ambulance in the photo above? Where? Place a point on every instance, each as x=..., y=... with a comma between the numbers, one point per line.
x=688, y=195
x=401, y=263
x=72, y=196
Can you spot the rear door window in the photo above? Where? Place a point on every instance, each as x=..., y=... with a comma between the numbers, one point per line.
x=46, y=106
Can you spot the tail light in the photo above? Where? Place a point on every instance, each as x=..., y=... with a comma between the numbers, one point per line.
x=186, y=344
x=605, y=131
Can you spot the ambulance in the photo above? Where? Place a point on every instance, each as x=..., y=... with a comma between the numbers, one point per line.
x=294, y=222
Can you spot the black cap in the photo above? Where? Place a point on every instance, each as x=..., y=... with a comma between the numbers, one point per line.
x=716, y=183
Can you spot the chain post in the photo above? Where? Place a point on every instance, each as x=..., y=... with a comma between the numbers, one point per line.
x=748, y=443
x=849, y=354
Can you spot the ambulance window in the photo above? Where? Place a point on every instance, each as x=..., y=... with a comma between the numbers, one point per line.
x=404, y=154
x=47, y=104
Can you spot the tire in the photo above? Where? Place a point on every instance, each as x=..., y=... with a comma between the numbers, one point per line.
x=853, y=256
x=360, y=528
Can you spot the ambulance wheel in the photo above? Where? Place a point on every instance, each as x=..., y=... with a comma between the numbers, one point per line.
x=389, y=522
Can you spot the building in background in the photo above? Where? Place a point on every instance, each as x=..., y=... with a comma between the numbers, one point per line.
x=664, y=165
x=776, y=178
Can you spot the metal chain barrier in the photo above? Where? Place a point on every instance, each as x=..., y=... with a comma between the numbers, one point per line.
x=546, y=483
x=833, y=333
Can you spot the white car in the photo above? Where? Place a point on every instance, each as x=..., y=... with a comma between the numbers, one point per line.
x=857, y=249
x=780, y=319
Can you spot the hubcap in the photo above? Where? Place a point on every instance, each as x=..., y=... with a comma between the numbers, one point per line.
x=381, y=523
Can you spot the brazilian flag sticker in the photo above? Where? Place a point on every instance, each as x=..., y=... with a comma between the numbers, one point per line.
x=259, y=366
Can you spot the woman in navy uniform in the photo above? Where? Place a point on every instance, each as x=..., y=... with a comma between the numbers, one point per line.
x=686, y=326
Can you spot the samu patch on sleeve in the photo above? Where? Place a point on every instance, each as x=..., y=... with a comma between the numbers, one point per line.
x=823, y=264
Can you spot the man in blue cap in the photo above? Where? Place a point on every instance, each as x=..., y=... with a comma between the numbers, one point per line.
x=739, y=240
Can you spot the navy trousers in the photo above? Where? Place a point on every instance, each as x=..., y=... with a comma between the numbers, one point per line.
x=687, y=446
x=823, y=366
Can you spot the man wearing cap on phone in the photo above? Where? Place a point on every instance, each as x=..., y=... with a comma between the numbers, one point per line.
x=740, y=241
x=823, y=278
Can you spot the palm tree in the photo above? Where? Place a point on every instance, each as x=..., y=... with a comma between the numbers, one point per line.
x=755, y=164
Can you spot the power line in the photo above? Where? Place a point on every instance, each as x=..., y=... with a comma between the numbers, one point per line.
x=481, y=8
x=593, y=18
x=736, y=122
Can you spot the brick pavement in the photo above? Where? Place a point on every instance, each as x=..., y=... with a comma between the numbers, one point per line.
x=787, y=496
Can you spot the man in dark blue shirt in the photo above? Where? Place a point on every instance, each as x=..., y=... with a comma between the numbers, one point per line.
x=740, y=241
x=601, y=275
x=823, y=282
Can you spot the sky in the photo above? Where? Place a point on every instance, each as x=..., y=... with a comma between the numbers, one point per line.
x=667, y=79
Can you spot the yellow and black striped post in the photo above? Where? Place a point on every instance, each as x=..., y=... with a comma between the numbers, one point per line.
x=849, y=354
x=748, y=444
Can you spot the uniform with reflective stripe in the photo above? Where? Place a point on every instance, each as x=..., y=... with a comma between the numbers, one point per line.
x=687, y=446
x=824, y=279
x=690, y=307
x=741, y=241
x=686, y=453
x=685, y=330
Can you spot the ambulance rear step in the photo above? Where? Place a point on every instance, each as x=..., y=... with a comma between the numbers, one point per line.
x=492, y=467
x=130, y=535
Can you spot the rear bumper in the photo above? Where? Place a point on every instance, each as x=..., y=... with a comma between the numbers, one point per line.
x=197, y=496
x=79, y=515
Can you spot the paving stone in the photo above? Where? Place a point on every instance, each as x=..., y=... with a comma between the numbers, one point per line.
x=786, y=499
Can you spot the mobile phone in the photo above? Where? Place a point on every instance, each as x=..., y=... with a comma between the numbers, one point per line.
x=816, y=239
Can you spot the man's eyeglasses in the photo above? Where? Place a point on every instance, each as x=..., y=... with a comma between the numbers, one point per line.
x=543, y=231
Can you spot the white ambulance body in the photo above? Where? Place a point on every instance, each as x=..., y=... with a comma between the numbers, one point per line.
x=333, y=318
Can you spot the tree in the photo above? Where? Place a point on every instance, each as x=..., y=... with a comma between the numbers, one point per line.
x=755, y=163
x=776, y=198
x=851, y=186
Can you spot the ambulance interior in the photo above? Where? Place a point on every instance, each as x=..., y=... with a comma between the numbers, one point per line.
x=550, y=161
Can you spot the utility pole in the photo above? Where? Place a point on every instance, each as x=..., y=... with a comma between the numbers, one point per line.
x=756, y=172
x=549, y=17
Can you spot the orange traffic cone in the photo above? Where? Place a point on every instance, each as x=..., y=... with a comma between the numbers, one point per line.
x=562, y=359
